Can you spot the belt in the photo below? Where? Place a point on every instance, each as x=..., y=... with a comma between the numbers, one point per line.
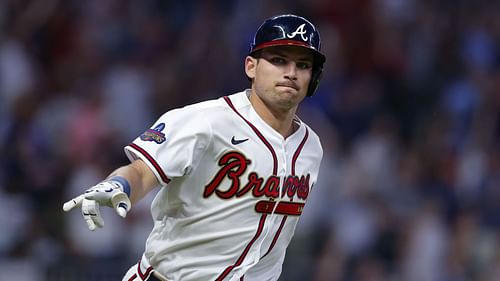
x=153, y=277
x=147, y=273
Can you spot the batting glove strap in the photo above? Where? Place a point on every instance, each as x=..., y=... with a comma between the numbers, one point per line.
x=111, y=193
x=122, y=182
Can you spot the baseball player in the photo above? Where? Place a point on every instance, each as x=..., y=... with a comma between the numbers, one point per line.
x=233, y=173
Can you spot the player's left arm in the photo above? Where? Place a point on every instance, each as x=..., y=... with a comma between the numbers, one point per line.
x=140, y=178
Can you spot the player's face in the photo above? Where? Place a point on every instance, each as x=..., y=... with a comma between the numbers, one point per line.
x=281, y=75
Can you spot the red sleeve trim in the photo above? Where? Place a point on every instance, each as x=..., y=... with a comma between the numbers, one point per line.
x=151, y=160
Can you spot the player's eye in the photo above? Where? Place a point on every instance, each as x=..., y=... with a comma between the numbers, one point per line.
x=304, y=65
x=277, y=60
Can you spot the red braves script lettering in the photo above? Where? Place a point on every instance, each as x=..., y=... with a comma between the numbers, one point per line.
x=233, y=166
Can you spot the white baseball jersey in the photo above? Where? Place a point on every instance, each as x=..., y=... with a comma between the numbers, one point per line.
x=233, y=190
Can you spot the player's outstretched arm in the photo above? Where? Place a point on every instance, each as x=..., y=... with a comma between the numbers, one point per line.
x=125, y=186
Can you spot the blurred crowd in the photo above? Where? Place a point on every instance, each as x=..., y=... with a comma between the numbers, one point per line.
x=408, y=111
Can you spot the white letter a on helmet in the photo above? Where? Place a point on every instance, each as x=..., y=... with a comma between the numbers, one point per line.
x=300, y=30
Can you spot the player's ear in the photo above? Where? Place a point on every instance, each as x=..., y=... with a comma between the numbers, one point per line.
x=250, y=66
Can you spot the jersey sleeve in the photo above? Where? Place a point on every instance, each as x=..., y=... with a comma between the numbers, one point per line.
x=174, y=144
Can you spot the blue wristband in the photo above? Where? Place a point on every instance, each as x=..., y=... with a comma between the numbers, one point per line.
x=123, y=181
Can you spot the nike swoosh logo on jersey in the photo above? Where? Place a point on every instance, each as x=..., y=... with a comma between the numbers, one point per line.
x=235, y=141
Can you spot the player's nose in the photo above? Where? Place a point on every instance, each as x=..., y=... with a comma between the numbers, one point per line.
x=291, y=71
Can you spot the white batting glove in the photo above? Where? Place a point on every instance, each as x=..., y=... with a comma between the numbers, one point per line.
x=113, y=193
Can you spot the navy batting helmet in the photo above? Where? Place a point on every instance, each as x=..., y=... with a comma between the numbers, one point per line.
x=291, y=30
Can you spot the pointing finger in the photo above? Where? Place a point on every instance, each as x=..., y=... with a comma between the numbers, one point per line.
x=75, y=202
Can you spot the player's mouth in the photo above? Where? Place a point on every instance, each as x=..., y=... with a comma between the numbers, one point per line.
x=288, y=85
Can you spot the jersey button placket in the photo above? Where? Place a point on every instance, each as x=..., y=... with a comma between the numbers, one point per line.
x=281, y=173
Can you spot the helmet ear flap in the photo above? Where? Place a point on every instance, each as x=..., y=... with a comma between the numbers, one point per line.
x=317, y=73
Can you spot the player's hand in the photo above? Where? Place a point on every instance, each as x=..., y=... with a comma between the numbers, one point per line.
x=109, y=193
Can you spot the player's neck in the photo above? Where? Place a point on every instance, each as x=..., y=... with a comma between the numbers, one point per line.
x=280, y=120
